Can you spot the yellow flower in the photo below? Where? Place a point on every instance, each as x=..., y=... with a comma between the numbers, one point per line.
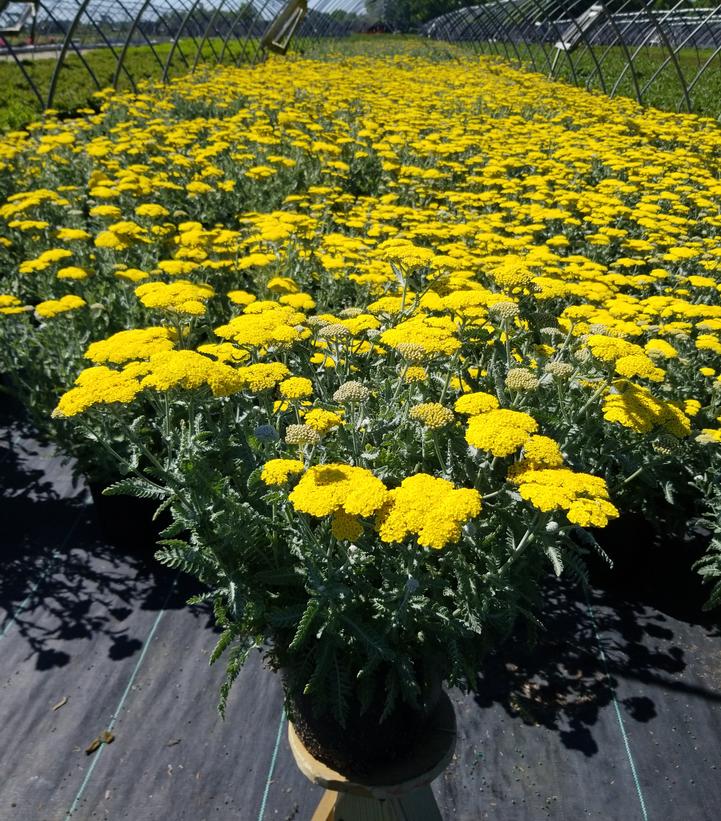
x=300, y=301
x=639, y=365
x=427, y=507
x=415, y=373
x=152, y=210
x=583, y=497
x=282, y=285
x=190, y=370
x=137, y=343
x=432, y=414
x=500, y=432
x=660, y=348
x=97, y=386
x=72, y=234
x=472, y=404
x=432, y=335
x=72, y=272
x=634, y=407
x=708, y=342
x=278, y=471
x=324, y=489
x=345, y=527
x=53, y=307
x=132, y=274
x=297, y=387
x=241, y=297
x=322, y=420
x=10, y=304
x=180, y=296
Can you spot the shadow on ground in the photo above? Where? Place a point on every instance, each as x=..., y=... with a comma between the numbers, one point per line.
x=61, y=581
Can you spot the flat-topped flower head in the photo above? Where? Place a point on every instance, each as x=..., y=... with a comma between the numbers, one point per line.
x=432, y=415
x=137, y=343
x=472, y=404
x=296, y=387
x=500, y=432
x=278, y=471
x=99, y=385
x=322, y=420
x=433, y=336
x=180, y=297
x=325, y=489
x=53, y=307
x=584, y=497
x=428, y=507
x=190, y=370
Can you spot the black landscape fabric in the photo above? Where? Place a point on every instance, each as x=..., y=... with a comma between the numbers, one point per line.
x=615, y=714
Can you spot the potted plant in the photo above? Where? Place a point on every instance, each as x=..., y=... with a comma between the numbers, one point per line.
x=368, y=496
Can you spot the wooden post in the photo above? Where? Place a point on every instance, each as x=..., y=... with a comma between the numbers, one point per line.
x=398, y=791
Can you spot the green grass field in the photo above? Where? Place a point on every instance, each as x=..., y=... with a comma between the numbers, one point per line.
x=75, y=87
x=604, y=70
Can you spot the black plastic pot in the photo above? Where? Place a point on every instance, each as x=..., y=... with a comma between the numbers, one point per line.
x=365, y=742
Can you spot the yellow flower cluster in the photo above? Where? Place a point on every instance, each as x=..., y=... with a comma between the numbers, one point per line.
x=263, y=325
x=432, y=335
x=427, y=507
x=501, y=432
x=432, y=414
x=137, y=343
x=180, y=297
x=97, y=386
x=278, y=471
x=52, y=307
x=296, y=387
x=634, y=407
x=583, y=497
x=324, y=489
x=474, y=274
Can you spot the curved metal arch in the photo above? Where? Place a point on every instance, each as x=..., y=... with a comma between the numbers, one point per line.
x=177, y=14
x=204, y=39
x=621, y=42
x=226, y=39
x=244, y=46
x=136, y=25
x=199, y=46
x=662, y=34
x=175, y=45
x=67, y=43
x=28, y=79
x=687, y=87
x=488, y=15
x=120, y=62
x=617, y=41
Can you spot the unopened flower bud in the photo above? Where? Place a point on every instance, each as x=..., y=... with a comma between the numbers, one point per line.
x=561, y=370
x=334, y=331
x=266, y=433
x=521, y=379
x=351, y=392
x=411, y=352
x=301, y=435
x=503, y=311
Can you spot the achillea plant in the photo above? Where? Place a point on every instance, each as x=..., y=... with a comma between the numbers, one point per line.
x=380, y=405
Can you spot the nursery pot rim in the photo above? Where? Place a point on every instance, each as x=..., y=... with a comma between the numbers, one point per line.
x=429, y=756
